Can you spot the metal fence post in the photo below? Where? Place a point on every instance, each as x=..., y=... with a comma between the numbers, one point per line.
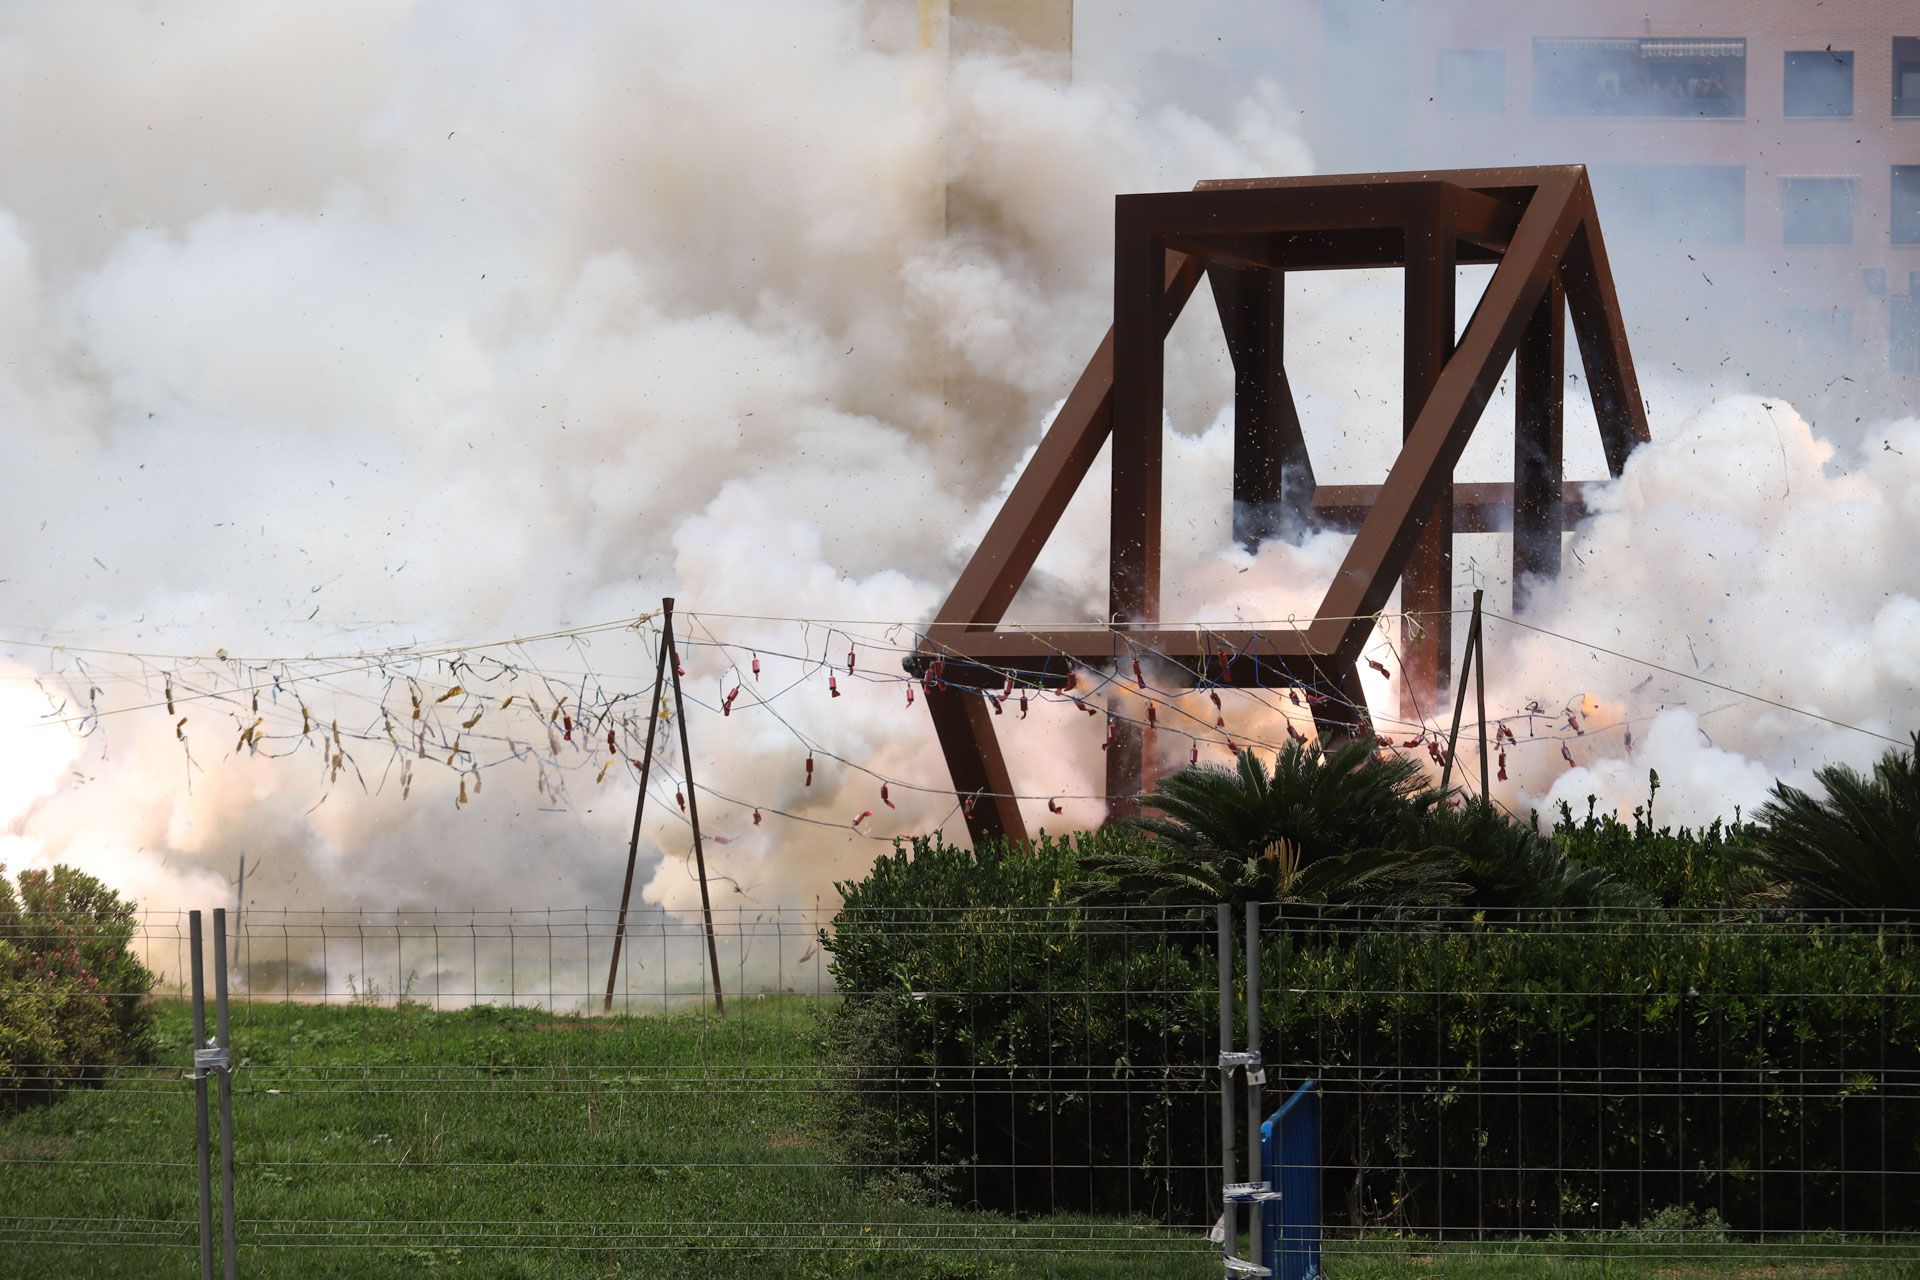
x=223, y=1031
x=1229, y=1214
x=203, y=1154
x=1256, y=1076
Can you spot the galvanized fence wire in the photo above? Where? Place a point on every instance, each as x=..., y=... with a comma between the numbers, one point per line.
x=1034, y=1089
x=1734, y=1085
x=904, y=1085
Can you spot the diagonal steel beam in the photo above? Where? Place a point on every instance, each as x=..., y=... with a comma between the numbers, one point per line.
x=1386, y=540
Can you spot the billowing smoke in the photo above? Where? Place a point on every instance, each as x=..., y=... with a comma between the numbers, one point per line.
x=330, y=331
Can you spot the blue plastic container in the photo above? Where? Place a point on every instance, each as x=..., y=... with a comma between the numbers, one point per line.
x=1290, y=1162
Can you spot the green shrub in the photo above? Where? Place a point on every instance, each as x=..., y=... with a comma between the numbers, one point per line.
x=1583, y=1070
x=73, y=996
x=1533, y=1070
x=1001, y=1048
x=1683, y=868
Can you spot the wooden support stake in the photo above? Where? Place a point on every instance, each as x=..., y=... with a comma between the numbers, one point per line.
x=1480, y=694
x=633, y=841
x=1469, y=658
x=693, y=804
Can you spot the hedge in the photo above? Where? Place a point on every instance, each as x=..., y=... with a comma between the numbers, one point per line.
x=1520, y=1071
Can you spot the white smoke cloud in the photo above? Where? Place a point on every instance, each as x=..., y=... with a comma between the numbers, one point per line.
x=420, y=322
x=417, y=323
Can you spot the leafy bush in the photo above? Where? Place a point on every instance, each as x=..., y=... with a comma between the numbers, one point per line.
x=1552, y=1072
x=1683, y=868
x=1518, y=1069
x=1000, y=1047
x=76, y=997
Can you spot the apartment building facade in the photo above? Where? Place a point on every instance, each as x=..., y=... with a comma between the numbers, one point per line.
x=1756, y=161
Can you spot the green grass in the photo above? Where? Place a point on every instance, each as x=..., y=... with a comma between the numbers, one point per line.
x=385, y=1142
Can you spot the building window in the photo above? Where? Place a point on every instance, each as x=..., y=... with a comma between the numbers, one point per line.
x=1816, y=210
x=1819, y=83
x=1639, y=77
x=1675, y=203
x=1472, y=82
x=1906, y=76
x=1906, y=204
x=1824, y=333
x=1903, y=334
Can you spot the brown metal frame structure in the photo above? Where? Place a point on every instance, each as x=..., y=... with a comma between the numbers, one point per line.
x=1540, y=228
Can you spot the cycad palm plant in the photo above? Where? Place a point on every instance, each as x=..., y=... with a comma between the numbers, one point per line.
x=1859, y=847
x=1319, y=827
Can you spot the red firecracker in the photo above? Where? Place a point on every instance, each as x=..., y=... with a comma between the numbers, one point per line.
x=756, y=817
x=909, y=695
x=1502, y=776
x=1567, y=755
x=726, y=703
x=1023, y=704
x=849, y=662
x=809, y=769
x=1053, y=806
x=833, y=686
x=1380, y=667
x=864, y=815
x=1137, y=677
x=1193, y=756
x=613, y=748
x=1574, y=724
x=756, y=666
x=1153, y=717
x=884, y=798
x=680, y=799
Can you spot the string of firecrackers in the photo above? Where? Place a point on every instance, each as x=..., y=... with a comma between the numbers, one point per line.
x=251, y=735
x=427, y=736
x=933, y=678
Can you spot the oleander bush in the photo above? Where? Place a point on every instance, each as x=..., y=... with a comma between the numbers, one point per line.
x=74, y=999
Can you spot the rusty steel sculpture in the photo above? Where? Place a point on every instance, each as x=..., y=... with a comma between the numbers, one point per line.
x=1538, y=225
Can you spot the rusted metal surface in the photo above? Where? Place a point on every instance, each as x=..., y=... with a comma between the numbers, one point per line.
x=1537, y=224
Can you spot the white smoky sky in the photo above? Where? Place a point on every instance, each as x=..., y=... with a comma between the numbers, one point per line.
x=333, y=329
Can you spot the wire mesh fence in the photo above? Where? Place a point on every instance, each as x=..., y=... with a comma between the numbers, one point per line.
x=989, y=1091
x=1739, y=1087
x=455, y=1090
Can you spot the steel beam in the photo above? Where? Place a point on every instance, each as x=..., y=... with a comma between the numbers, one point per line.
x=964, y=725
x=1272, y=474
x=1426, y=585
x=1537, y=224
x=1538, y=428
